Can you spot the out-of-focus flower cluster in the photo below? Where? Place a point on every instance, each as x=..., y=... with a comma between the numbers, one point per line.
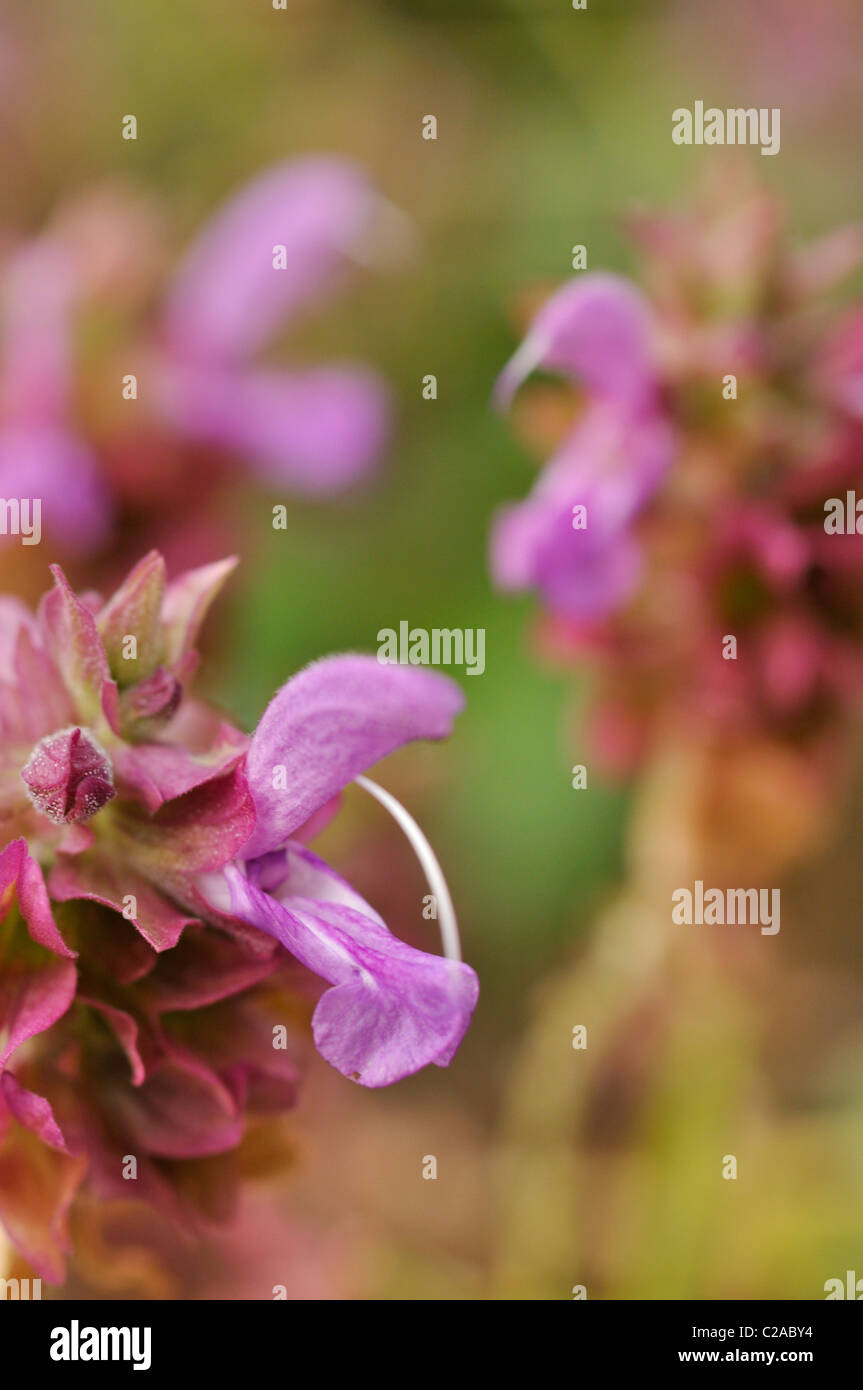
x=158, y=900
x=131, y=389
x=716, y=412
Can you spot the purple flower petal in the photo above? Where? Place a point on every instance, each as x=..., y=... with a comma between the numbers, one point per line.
x=39, y=290
x=228, y=299
x=591, y=573
x=596, y=329
x=314, y=431
x=332, y=721
x=583, y=574
x=611, y=465
x=394, y=1009
x=517, y=535
x=47, y=462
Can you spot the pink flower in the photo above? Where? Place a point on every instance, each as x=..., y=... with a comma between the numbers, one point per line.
x=155, y=876
x=723, y=410
x=597, y=330
x=282, y=243
x=282, y=246
x=392, y=1009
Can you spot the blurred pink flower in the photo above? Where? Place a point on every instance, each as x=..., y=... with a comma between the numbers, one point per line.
x=596, y=330
x=282, y=243
x=734, y=395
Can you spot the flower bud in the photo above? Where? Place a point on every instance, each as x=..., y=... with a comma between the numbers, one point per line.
x=68, y=776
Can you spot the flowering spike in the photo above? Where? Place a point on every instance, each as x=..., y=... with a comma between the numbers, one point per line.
x=187, y=896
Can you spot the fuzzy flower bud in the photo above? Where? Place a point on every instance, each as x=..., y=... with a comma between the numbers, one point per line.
x=68, y=776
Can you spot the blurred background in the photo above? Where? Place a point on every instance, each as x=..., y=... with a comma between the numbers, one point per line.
x=552, y=126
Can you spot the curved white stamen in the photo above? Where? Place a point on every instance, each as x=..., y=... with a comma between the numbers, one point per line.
x=428, y=859
x=524, y=360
